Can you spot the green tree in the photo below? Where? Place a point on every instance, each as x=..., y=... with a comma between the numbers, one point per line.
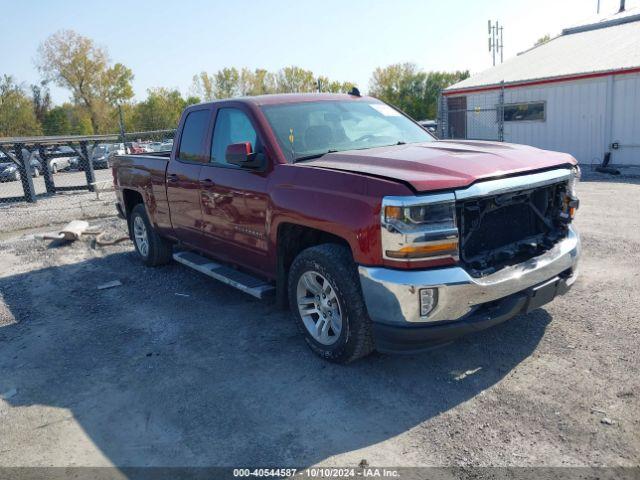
x=159, y=111
x=542, y=40
x=77, y=63
x=41, y=100
x=295, y=80
x=333, y=86
x=227, y=83
x=17, y=117
x=192, y=100
x=67, y=119
x=257, y=82
x=401, y=85
x=57, y=122
x=224, y=83
x=203, y=86
x=410, y=89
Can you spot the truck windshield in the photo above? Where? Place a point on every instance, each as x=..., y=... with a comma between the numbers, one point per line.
x=311, y=129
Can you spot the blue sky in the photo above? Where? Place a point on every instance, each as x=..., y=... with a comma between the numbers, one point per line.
x=166, y=42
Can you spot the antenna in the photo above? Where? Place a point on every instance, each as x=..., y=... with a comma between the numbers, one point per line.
x=496, y=43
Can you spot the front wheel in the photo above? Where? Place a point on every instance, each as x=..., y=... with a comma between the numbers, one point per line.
x=151, y=247
x=327, y=303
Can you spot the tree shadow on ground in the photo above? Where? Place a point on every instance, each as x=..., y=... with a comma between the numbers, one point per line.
x=173, y=369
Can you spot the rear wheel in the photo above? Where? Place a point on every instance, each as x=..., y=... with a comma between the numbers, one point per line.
x=151, y=247
x=327, y=304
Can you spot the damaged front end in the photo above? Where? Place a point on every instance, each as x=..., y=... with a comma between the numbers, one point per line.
x=508, y=228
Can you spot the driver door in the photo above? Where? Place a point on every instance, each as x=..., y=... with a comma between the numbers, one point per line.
x=234, y=199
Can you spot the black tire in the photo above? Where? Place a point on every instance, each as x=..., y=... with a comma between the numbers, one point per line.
x=335, y=263
x=159, y=251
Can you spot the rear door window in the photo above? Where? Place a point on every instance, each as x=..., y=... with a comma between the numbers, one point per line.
x=192, y=140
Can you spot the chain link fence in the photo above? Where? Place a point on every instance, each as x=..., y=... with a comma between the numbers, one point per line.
x=471, y=117
x=55, y=179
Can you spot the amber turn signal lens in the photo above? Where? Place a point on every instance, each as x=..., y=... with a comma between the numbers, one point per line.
x=393, y=213
x=418, y=251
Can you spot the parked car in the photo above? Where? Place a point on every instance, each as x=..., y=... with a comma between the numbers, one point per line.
x=166, y=146
x=102, y=153
x=9, y=171
x=59, y=164
x=133, y=148
x=155, y=146
x=431, y=125
x=34, y=161
x=75, y=164
x=377, y=235
x=146, y=147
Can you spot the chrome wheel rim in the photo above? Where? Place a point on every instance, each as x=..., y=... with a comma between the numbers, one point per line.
x=319, y=308
x=140, y=234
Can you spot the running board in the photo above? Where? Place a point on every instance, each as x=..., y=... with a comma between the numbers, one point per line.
x=242, y=281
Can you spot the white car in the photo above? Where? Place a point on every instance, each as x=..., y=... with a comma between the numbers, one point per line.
x=59, y=164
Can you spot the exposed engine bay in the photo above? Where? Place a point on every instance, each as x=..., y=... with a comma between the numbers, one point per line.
x=506, y=229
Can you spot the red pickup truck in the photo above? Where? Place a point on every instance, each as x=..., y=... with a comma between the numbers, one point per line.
x=374, y=233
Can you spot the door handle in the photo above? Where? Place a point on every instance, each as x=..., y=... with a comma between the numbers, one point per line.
x=172, y=177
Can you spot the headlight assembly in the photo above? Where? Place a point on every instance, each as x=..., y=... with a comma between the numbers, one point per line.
x=573, y=181
x=419, y=228
x=571, y=202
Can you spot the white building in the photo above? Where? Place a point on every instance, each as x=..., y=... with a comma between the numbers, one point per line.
x=578, y=93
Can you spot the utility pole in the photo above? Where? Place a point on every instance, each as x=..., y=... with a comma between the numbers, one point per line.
x=121, y=121
x=496, y=43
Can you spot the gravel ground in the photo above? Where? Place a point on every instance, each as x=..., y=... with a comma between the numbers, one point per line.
x=174, y=369
x=60, y=208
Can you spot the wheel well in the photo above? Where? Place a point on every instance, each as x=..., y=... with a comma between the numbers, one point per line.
x=293, y=239
x=131, y=199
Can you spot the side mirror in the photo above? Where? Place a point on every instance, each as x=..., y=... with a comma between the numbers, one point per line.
x=242, y=155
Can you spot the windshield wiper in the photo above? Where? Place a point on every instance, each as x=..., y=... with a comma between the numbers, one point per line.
x=399, y=142
x=311, y=157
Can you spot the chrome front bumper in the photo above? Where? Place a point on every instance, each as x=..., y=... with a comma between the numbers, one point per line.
x=392, y=296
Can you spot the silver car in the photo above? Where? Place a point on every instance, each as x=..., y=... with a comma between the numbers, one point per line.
x=59, y=164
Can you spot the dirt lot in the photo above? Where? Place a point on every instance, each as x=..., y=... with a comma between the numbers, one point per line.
x=172, y=368
x=62, y=207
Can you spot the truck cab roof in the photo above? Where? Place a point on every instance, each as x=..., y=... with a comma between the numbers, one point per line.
x=285, y=98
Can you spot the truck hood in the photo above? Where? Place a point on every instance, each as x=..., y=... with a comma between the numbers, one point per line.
x=443, y=164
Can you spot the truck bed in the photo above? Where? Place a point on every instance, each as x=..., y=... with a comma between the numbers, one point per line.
x=147, y=161
x=145, y=173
